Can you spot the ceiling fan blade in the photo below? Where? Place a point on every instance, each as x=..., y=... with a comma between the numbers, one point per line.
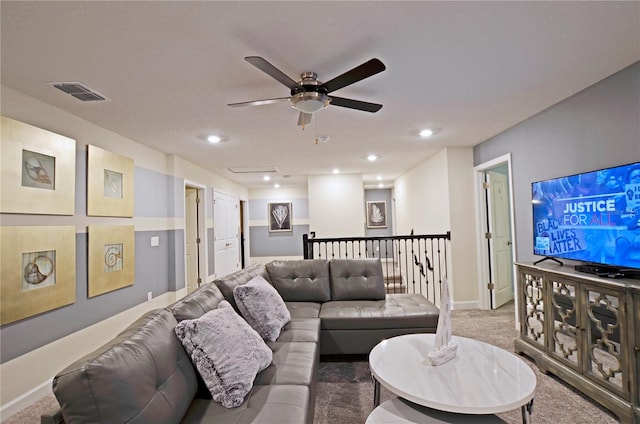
x=304, y=119
x=355, y=104
x=272, y=71
x=258, y=102
x=358, y=73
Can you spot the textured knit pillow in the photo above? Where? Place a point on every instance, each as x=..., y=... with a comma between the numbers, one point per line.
x=226, y=351
x=262, y=306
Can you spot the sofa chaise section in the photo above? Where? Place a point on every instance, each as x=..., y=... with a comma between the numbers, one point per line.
x=348, y=297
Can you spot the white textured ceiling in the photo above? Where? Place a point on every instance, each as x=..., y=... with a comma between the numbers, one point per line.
x=468, y=69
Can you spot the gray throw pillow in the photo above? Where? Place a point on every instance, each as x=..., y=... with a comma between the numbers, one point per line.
x=262, y=306
x=226, y=351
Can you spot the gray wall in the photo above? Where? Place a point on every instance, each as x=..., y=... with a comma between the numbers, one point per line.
x=379, y=195
x=158, y=269
x=596, y=128
x=263, y=243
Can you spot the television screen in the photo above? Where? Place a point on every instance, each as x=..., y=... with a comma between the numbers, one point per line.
x=591, y=217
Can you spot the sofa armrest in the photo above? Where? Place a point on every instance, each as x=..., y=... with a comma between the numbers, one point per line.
x=52, y=416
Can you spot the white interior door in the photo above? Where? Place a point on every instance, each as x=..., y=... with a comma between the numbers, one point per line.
x=226, y=227
x=192, y=238
x=500, y=241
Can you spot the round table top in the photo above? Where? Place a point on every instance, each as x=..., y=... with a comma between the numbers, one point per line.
x=480, y=379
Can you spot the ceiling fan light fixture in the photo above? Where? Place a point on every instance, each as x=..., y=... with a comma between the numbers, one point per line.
x=310, y=101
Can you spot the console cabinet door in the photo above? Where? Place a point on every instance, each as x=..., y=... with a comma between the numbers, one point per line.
x=564, y=315
x=532, y=322
x=605, y=338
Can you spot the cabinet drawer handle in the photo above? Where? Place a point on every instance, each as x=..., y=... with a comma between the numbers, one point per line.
x=636, y=349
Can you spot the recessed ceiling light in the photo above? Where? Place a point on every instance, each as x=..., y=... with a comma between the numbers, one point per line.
x=372, y=158
x=379, y=177
x=214, y=139
x=266, y=178
x=380, y=185
x=276, y=185
x=426, y=133
x=335, y=171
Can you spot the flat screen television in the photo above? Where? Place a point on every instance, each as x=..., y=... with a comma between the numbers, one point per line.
x=592, y=217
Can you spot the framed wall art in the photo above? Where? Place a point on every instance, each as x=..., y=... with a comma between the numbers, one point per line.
x=38, y=170
x=279, y=216
x=38, y=270
x=111, y=258
x=109, y=183
x=377, y=214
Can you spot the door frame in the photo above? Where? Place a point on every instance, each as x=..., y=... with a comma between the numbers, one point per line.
x=202, y=231
x=484, y=297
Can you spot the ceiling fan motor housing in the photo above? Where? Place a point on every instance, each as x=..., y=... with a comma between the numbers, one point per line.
x=312, y=98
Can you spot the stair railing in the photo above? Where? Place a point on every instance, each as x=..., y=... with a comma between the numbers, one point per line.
x=410, y=263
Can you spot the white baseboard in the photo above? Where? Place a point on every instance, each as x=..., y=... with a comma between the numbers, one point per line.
x=471, y=304
x=26, y=400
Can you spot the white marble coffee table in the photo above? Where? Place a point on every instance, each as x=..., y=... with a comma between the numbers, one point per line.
x=481, y=379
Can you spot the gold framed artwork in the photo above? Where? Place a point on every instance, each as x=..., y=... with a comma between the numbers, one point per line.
x=111, y=258
x=38, y=170
x=377, y=214
x=109, y=183
x=279, y=216
x=38, y=270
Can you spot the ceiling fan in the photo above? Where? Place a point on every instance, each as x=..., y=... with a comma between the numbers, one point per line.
x=310, y=95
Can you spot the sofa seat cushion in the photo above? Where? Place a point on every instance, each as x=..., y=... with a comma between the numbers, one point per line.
x=304, y=309
x=300, y=330
x=226, y=351
x=265, y=404
x=262, y=307
x=293, y=363
x=396, y=311
x=143, y=375
x=305, y=280
x=197, y=303
x=356, y=279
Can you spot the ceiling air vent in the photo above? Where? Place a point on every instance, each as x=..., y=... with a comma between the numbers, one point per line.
x=79, y=91
x=252, y=169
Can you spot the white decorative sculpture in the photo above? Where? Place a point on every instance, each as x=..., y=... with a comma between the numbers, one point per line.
x=444, y=349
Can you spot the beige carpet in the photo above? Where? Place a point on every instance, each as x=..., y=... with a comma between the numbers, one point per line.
x=345, y=389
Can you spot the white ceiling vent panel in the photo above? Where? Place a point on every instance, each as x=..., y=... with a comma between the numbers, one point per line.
x=252, y=169
x=79, y=91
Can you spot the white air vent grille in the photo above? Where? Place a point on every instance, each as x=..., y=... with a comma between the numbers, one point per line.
x=252, y=169
x=79, y=91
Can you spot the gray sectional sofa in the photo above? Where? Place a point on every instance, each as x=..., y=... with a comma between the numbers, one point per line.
x=145, y=375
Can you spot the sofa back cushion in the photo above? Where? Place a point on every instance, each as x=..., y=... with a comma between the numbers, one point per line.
x=304, y=280
x=143, y=375
x=356, y=279
x=227, y=283
x=197, y=303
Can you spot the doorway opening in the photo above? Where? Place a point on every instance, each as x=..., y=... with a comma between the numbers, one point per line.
x=193, y=236
x=495, y=238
